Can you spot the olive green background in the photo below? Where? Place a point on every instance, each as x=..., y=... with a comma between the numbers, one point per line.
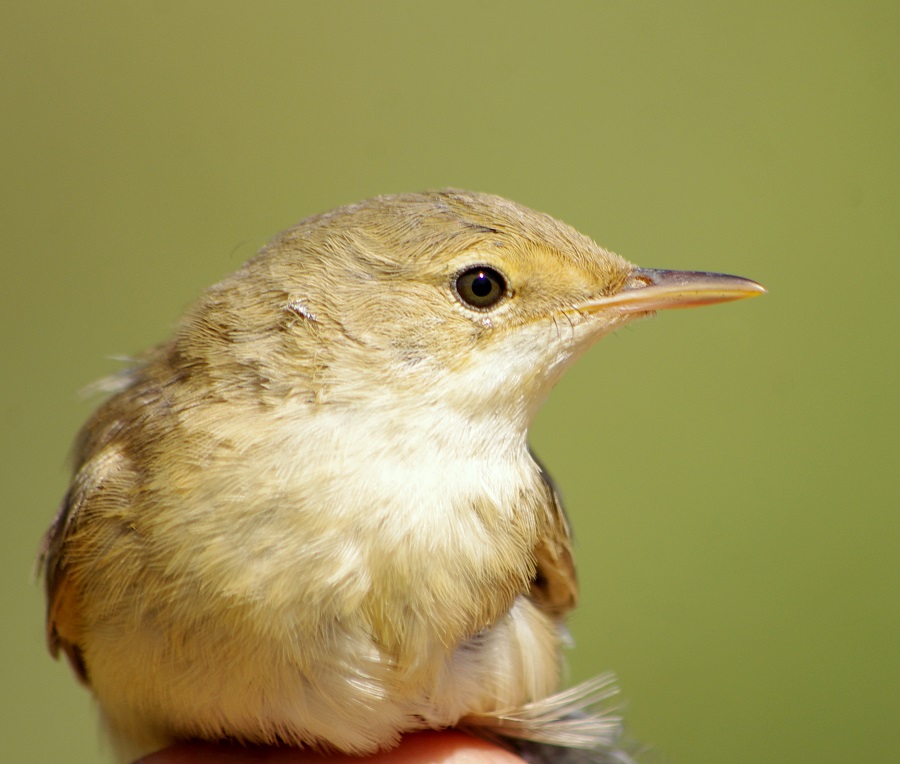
x=731, y=472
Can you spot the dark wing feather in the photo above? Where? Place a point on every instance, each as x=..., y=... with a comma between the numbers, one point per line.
x=63, y=628
x=555, y=585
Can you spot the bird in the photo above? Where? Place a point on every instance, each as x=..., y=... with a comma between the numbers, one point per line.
x=312, y=516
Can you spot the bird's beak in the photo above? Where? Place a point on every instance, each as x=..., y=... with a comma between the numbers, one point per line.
x=648, y=289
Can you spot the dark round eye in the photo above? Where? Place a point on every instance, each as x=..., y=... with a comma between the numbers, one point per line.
x=481, y=287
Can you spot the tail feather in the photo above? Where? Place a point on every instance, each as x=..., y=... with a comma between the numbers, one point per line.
x=541, y=753
x=573, y=726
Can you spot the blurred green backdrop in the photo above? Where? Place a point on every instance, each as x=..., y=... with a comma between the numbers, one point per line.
x=731, y=472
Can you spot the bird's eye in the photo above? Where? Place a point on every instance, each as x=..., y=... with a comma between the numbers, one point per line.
x=480, y=287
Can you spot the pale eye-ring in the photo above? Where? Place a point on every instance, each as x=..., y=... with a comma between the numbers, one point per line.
x=480, y=287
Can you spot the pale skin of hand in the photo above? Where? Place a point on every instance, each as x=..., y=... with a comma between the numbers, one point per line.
x=421, y=748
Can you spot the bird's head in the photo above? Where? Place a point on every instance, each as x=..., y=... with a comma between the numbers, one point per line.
x=455, y=298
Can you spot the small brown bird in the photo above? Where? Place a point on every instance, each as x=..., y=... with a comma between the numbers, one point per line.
x=312, y=516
